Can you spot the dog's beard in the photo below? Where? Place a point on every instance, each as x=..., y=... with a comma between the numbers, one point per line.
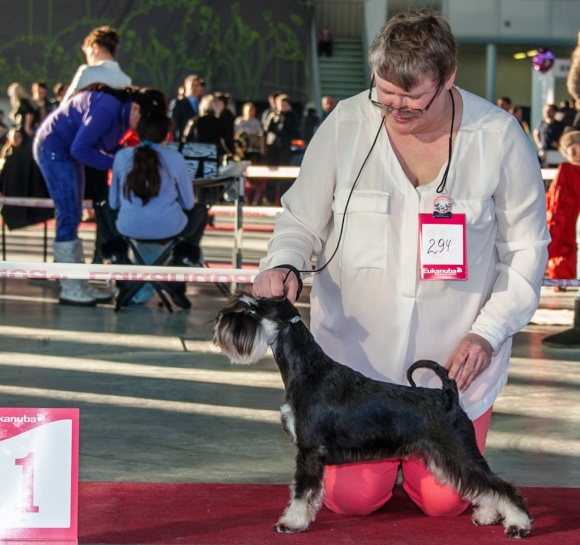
x=241, y=339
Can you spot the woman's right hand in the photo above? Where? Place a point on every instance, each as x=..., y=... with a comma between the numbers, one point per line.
x=276, y=283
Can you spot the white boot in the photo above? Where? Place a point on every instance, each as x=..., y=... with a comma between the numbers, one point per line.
x=102, y=296
x=72, y=292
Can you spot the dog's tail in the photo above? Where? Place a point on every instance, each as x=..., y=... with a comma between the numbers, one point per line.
x=449, y=385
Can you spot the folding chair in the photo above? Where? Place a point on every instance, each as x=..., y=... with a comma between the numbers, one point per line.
x=130, y=287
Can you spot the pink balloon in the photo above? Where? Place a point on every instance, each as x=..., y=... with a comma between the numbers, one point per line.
x=543, y=60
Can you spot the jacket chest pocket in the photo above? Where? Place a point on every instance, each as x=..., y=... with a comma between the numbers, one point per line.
x=364, y=220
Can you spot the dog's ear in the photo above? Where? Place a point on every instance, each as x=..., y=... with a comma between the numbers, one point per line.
x=241, y=301
x=246, y=300
x=240, y=337
x=287, y=310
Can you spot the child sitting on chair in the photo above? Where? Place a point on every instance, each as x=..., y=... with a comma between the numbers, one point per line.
x=153, y=193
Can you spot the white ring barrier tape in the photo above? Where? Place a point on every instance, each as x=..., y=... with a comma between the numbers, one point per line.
x=35, y=203
x=548, y=174
x=249, y=211
x=225, y=210
x=82, y=271
x=258, y=171
x=570, y=283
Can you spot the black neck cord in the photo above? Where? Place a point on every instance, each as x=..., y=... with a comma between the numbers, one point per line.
x=315, y=271
x=441, y=187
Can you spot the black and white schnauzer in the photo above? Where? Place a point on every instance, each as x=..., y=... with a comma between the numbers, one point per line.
x=335, y=415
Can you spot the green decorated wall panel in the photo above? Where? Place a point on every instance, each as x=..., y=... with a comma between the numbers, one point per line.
x=245, y=47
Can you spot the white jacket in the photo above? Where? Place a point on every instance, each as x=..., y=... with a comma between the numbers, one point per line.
x=369, y=308
x=107, y=72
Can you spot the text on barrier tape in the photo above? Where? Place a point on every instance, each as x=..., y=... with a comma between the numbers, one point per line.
x=81, y=271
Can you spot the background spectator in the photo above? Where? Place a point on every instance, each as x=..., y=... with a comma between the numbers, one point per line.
x=21, y=177
x=505, y=103
x=325, y=44
x=59, y=91
x=271, y=108
x=39, y=95
x=100, y=49
x=310, y=124
x=24, y=113
x=563, y=208
x=567, y=113
x=328, y=103
x=187, y=108
x=249, y=137
x=547, y=133
x=85, y=130
x=3, y=130
x=282, y=128
x=518, y=113
x=227, y=118
x=150, y=182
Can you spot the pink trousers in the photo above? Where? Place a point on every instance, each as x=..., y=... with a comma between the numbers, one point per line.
x=361, y=488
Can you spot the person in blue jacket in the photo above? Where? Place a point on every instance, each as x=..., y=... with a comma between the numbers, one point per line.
x=84, y=130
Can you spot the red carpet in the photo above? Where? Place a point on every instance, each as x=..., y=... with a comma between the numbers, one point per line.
x=222, y=514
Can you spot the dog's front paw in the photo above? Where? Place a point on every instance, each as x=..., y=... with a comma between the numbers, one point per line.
x=296, y=518
x=285, y=528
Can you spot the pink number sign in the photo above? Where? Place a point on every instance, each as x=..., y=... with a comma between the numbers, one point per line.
x=39, y=450
x=442, y=247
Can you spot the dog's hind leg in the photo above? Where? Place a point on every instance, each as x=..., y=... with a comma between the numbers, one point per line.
x=502, y=502
x=307, y=492
x=494, y=500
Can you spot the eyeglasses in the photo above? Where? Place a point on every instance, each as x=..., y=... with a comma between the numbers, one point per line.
x=406, y=113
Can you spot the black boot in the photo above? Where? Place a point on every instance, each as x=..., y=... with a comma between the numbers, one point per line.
x=186, y=255
x=116, y=251
x=176, y=291
x=569, y=338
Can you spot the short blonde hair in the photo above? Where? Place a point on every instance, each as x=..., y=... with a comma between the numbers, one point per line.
x=567, y=139
x=206, y=105
x=412, y=45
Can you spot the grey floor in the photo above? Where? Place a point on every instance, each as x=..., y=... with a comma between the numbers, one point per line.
x=159, y=403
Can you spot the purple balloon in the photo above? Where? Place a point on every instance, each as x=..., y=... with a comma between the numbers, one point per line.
x=543, y=60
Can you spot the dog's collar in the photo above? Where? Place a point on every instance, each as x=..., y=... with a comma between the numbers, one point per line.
x=294, y=320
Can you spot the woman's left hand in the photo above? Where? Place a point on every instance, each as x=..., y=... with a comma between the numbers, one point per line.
x=470, y=358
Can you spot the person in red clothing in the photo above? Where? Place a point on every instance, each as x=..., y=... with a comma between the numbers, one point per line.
x=563, y=209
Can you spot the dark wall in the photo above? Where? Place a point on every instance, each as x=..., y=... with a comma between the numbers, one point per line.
x=247, y=47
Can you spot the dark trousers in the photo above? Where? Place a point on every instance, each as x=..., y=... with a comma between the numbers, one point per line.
x=189, y=247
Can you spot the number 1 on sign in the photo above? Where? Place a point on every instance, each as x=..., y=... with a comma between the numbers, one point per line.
x=27, y=464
